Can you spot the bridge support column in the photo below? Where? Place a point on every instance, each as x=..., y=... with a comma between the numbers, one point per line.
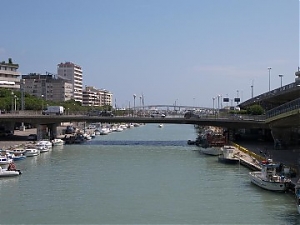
x=53, y=131
x=41, y=131
x=286, y=137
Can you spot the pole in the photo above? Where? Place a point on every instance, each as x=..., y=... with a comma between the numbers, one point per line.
x=213, y=105
x=252, y=89
x=12, y=101
x=134, y=96
x=269, y=68
x=15, y=103
x=280, y=75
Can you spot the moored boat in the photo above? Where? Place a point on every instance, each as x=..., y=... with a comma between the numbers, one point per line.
x=5, y=161
x=268, y=178
x=57, y=142
x=44, y=143
x=30, y=152
x=228, y=155
x=211, y=143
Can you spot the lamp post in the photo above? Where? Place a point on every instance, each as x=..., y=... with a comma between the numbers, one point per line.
x=12, y=101
x=134, y=96
x=219, y=104
x=269, y=68
x=213, y=105
x=252, y=89
x=280, y=75
x=22, y=94
x=140, y=109
x=42, y=101
x=15, y=97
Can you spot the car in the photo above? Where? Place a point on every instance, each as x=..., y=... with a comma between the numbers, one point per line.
x=32, y=137
x=157, y=115
x=106, y=113
x=191, y=114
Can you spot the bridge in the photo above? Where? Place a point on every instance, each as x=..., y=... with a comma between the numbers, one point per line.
x=226, y=122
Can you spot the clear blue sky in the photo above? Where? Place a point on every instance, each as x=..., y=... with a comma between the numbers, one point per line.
x=187, y=51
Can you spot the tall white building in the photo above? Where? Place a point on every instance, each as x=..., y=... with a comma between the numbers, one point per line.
x=9, y=75
x=72, y=72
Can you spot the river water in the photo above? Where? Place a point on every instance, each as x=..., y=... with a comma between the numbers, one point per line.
x=143, y=175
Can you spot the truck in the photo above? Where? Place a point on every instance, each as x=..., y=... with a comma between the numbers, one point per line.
x=53, y=110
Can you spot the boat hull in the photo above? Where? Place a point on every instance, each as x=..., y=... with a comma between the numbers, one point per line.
x=214, y=151
x=268, y=185
x=228, y=160
x=8, y=173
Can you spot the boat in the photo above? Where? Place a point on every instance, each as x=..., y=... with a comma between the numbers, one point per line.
x=57, y=142
x=160, y=125
x=268, y=178
x=11, y=171
x=43, y=148
x=211, y=143
x=30, y=152
x=104, y=131
x=228, y=155
x=18, y=156
x=297, y=195
x=97, y=132
x=44, y=143
x=5, y=161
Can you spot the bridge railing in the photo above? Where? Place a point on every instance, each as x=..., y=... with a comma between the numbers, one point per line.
x=287, y=107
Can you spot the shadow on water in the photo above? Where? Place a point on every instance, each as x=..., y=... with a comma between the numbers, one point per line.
x=137, y=143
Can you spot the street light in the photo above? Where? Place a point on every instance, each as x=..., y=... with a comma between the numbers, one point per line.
x=42, y=101
x=134, y=96
x=219, y=103
x=15, y=97
x=280, y=75
x=269, y=68
x=252, y=89
x=213, y=105
x=12, y=100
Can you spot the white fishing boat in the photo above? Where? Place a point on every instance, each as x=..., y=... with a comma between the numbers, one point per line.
x=30, y=152
x=43, y=148
x=268, y=178
x=44, y=143
x=5, y=161
x=104, y=131
x=297, y=195
x=228, y=155
x=57, y=142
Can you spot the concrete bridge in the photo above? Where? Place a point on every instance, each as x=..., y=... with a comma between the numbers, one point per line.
x=47, y=124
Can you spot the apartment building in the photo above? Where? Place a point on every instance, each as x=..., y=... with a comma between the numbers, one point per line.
x=48, y=86
x=96, y=97
x=72, y=72
x=9, y=75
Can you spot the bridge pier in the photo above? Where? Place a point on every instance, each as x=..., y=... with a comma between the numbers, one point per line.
x=47, y=131
x=285, y=137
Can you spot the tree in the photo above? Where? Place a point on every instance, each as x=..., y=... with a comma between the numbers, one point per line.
x=256, y=110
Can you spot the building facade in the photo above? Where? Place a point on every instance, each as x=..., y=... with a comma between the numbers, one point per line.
x=49, y=87
x=96, y=97
x=9, y=75
x=72, y=72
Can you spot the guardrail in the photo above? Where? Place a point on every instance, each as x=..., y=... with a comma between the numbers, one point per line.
x=287, y=107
